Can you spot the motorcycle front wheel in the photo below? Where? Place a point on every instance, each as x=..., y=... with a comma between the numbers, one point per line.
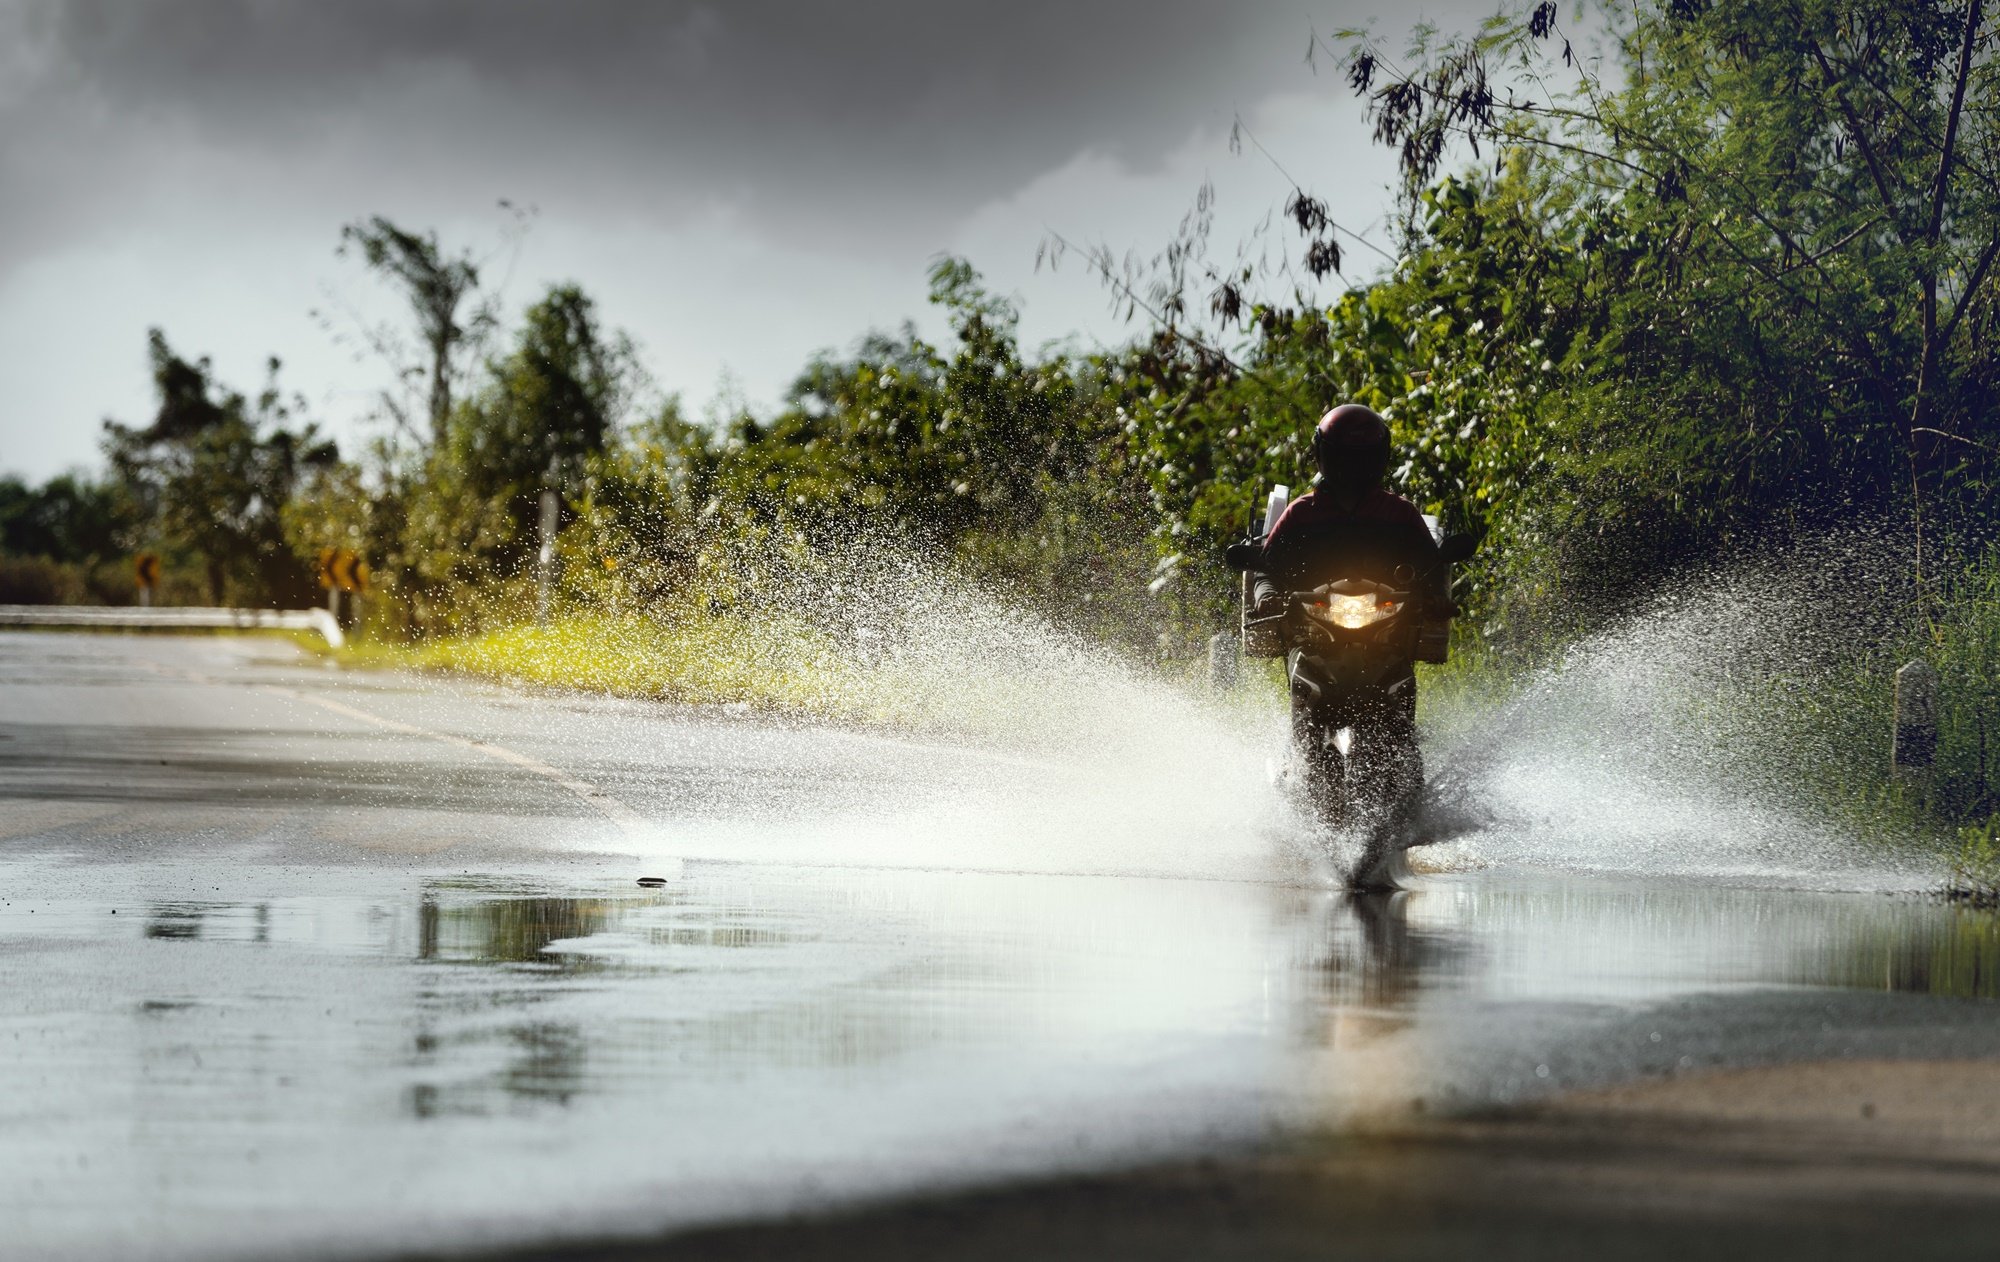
x=1372, y=790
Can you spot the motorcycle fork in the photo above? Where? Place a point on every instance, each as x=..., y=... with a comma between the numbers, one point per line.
x=1323, y=766
x=1380, y=764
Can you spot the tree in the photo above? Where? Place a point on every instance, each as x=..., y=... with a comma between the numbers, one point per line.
x=68, y=518
x=436, y=286
x=556, y=400
x=207, y=475
x=1801, y=200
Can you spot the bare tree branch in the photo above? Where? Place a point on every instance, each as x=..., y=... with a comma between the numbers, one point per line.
x=1972, y=16
x=1957, y=438
x=1300, y=189
x=1971, y=289
x=1860, y=135
x=1813, y=260
x=1100, y=260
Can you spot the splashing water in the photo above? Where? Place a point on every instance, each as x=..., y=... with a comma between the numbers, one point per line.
x=1668, y=744
x=1094, y=762
x=1676, y=742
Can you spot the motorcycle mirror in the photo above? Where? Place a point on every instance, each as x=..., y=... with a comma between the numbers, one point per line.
x=1456, y=548
x=1243, y=557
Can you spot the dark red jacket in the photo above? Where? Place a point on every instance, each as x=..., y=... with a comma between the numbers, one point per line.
x=1316, y=541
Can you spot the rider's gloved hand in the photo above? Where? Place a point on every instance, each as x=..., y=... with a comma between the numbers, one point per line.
x=1269, y=604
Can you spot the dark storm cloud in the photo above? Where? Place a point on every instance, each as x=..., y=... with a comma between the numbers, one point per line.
x=866, y=118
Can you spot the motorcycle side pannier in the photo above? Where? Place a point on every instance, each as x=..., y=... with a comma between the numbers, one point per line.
x=1262, y=638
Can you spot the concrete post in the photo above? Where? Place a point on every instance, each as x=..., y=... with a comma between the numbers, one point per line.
x=1915, y=745
x=545, y=563
x=1222, y=661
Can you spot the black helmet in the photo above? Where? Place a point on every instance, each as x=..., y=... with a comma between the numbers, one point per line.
x=1351, y=447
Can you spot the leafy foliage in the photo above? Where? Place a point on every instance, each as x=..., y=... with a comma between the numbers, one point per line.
x=213, y=472
x=437, y=286
x=1784, y=222
x=66, y=519
x=1730, y=285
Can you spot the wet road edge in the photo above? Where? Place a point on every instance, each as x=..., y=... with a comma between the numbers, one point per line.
x=1724, y=1162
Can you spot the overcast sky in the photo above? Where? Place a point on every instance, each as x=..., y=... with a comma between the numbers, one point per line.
x=738, y=184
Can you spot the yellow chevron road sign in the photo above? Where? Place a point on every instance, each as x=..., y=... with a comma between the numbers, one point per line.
x=342, y=568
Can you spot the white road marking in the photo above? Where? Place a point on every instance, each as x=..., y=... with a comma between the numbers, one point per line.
x=611, y=808
x=628, y=820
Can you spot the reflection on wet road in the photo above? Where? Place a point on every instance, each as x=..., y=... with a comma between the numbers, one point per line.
x=459, y=1059
x=219, y=1035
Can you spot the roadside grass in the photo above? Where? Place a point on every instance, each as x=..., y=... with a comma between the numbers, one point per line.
x=955, y=669
x=1804, y=721
x=1976, y=867
x=689, y=656
x=1967, y=657
x=1811, y=731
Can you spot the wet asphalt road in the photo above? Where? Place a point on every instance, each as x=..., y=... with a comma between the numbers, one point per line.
x=295, y=961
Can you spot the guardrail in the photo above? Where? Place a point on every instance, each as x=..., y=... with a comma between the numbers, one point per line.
x=166, y=619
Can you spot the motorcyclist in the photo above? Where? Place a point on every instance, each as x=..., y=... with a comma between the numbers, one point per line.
x=1349, y=526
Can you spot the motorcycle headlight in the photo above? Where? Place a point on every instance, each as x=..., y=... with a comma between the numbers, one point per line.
x=1354, y=612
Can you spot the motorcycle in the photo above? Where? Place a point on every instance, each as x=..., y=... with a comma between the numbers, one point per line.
x=1350, y=647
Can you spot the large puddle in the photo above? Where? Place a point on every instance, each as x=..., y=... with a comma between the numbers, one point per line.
x=382, y=1060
